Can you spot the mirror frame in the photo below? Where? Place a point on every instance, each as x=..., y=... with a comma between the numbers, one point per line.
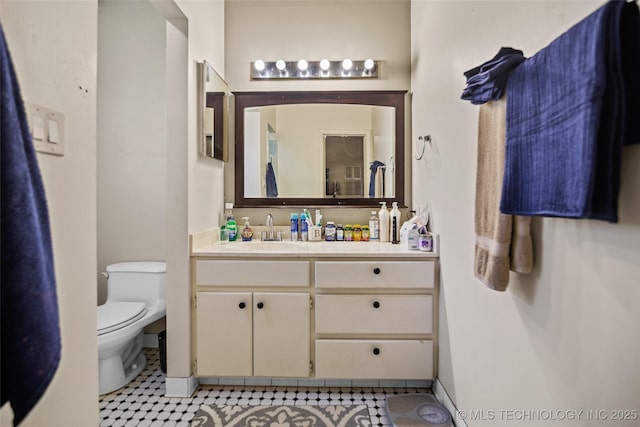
x=244, y=100
x=217, y=148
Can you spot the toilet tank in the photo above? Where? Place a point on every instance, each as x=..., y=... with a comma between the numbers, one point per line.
x=137, y=281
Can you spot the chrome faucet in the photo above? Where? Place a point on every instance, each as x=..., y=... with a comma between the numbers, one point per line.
x=269, y=225
x=271, y=235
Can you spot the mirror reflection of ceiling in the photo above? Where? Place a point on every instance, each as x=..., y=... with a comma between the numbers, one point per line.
x=296, y=135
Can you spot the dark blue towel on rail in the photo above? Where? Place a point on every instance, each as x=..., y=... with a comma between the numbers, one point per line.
x=488, y=81
x=570, y=109
x=30, y=328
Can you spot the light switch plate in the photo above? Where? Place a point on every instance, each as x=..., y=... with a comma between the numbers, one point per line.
x=47, y=127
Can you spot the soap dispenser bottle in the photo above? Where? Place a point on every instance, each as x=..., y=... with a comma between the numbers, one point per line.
x=383, y=215
x=247, y=231
x=231, y=225
x=395, y=223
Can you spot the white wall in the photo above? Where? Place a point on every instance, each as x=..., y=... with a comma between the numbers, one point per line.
x=205, y=197
x=563, y=337
x=156, y=187
x=132, y=139
x=206, y=175
x=53, y=45
x=314, y=29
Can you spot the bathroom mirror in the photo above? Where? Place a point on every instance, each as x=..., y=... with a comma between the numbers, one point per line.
x=213, y=102
x=340, y=148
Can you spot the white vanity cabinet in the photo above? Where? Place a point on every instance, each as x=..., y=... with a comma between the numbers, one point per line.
x=248, y=333
x=374, y=319
x=315, y=311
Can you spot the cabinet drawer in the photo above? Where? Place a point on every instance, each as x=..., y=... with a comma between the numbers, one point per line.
x=370, y=359
x=374, y=274
x=374, y=314
x=252, y=273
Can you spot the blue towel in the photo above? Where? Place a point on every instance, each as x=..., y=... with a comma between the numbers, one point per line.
x=570, y=109
x=373, y=166
x=488, y=81
x=29, y=309
x=272, y=186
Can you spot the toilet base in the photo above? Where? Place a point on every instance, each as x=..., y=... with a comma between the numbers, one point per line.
x=120, y=369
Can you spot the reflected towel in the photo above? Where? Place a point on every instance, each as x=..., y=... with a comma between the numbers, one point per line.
x=376, y=181
x=28, y=303
x=503, y=242
x=571, y=108
x=272, y=186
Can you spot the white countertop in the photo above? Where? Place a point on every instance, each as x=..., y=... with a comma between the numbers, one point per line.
x=306, y=249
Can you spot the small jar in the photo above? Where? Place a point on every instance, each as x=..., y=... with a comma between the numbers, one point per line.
x=357, y=233
x=330, y=231
x=348, y=233
x=339, y=233
x=365, y=233
x=425, y=242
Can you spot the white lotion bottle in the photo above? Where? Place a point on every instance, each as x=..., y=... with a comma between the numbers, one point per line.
x=383, y=215
x=395, y=223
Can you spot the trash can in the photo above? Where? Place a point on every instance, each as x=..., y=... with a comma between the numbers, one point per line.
x=162, y=345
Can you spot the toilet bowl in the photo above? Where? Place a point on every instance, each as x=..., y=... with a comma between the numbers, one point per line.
x=135, y=298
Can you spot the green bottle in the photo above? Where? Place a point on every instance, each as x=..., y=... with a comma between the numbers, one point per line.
x=231, y=225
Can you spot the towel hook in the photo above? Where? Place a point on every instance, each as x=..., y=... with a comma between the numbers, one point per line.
x=425, y=139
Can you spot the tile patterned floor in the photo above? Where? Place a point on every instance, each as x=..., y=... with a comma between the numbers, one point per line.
x=142, y=403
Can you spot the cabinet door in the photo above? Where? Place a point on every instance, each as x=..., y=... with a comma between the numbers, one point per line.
x=281, y=335
x=224, y=333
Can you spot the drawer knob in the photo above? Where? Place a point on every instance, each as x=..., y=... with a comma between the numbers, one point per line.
x=260, y=306
x=376, y=270
x=376, y=304
x=242, y=305
x=376, y=351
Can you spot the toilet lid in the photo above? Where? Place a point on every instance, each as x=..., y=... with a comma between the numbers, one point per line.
x=115, y=315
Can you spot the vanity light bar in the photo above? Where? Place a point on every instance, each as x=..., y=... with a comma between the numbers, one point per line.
x=323, y=69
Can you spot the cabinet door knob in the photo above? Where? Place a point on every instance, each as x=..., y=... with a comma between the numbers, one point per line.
x=376, y=270
x=260, y=306
x=376, y=351
x=242, y=305
x=376, y=304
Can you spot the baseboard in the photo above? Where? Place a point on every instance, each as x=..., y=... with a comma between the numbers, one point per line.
x=442, y=395
x=180, y=387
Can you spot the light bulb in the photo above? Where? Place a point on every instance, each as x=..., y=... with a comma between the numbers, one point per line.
x=302, y=65
x=368, y=64
x=347, y=64
x=325, y=64
x=259, y=65
x=280, y=64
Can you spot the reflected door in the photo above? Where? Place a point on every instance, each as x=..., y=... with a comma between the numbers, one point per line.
x=344, y=164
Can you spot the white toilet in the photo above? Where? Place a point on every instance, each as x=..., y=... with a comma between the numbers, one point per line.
x=135, y=298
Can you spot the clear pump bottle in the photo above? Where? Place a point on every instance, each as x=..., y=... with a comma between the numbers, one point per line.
x=247, y=231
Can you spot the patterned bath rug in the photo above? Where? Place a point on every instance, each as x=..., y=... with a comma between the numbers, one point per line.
x=282, y=416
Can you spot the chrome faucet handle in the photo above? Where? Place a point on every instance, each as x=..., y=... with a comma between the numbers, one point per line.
x=269, y=221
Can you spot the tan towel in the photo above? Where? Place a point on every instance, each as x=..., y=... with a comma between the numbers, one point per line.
x=503, y=242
